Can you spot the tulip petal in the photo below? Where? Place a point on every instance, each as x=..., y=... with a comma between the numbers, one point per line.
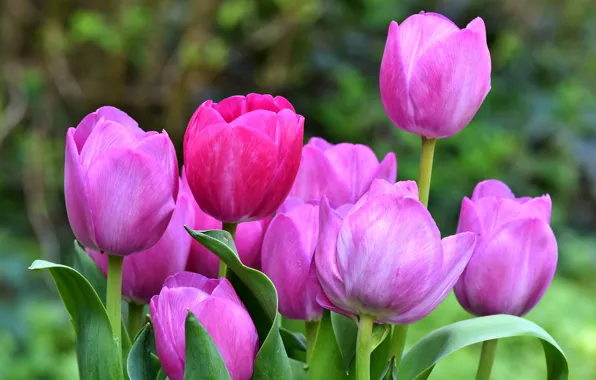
x=249, y=239
x=201, y=260
x=120, y=117
x=315, y=176
x=75, y=194
x=267, y=102
x=493, y=213
x=131, y=202
x=539, y=207
x=203, y=117
x=225, y=290
x=84, y=129
x=319, y=144
x=107, y=135
x=492, y=188
x=261, y=120
x=449, y=83
x=387, y=169
x=160, y=148
x=457, y=251
x=469, y=221
x=477, y=26
x=231, y=108
x=512, y=273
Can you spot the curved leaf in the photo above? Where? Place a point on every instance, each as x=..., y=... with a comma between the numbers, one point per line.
x=260, y=298
x=203, y=361
x=390, y=370
x=97, y=352
x=298, y=370
x=141, y=363
x=326, y=361
x=421, y=358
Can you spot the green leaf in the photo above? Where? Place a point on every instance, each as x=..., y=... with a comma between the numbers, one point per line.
x=420, y=359
x=390, y=370
x=97, y=352
x=295, y=344
x=203, y=361
x=260, y=298
x=326, y=362
x=161, y=375
x=298, y=370
x=142, y=364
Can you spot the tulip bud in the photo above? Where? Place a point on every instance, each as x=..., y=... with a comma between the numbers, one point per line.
x=120, y=183
x=288, y=253
x=241, y=156
x=516, y=254
x=385, y=257
x=342, y=172
x=220, y=311
x=434, y=76
x=144, y=273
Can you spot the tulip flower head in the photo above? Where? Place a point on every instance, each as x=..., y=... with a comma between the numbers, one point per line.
x=120, y=183
x=516, y=254
x=385, y=257
x=220, y=311
x=342, y=172
x=241, y=156
x=434, y=76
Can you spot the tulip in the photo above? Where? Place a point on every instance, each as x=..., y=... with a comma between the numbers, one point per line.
x=144, y=273
x=516, y=254
x=288, y=253
x=241, y=156
x=434, y=76
x=120, y=183
x=342, y=172
x=220, y=311
x=385, y=257
x=248, y=240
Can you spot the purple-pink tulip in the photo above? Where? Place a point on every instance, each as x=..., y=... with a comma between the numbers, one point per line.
x=241, y=156
x=248, y=240
x=516, y=255
x=120, y=183
x=342, y=172
x=287, y=255
x=220, y=311
x=434, y=76
x=385, y=257
x=144, y=273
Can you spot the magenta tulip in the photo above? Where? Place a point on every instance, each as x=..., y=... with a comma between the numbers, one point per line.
x=120, y=183
x=288, y=253
x=241, y=156
x=220, y=311
x=248, y=240
x=516, y=255
x=144, y=273
x=342, y=172
x=434, y=76
x=385, y=257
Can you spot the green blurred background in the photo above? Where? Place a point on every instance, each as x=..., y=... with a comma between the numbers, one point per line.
x=159, y=59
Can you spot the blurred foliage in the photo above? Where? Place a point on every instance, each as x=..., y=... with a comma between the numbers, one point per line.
x=159, y=59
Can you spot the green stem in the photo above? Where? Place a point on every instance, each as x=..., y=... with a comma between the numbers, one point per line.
x=398, y=341
x=426, y=169
x=311, y=335
x=113, y=295
x=487, y=358
x=231, y=228
x=135, y=318
x=363, y=347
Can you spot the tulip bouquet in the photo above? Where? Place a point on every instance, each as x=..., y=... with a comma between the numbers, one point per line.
x=267, y=259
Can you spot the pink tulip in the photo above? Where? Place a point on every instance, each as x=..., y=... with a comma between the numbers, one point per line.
x=516, y=254
x=248, y=240
x=144, y=273
x=288, y=253
x=434, y=76
x=342, y=173
x=241, y=156
x=220, y=311
x=385, y=257
x=120, y=183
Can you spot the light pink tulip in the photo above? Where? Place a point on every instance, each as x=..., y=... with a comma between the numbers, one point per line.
x=385, y=257
x=288, y=259
x=516, y=255
x=241, y=156
x=120, y=183
x=220, y=311
x=342, y=172
x=434, y=76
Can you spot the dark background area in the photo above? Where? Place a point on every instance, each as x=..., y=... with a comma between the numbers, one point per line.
x=159, y=59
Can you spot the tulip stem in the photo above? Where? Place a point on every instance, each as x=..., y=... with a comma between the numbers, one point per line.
x=135, y=318
x=231, y=228
x=426, y=169
x=398, y=341
x=487, y=358
x=363, y=347
x=312, y=328
x=113, y=295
